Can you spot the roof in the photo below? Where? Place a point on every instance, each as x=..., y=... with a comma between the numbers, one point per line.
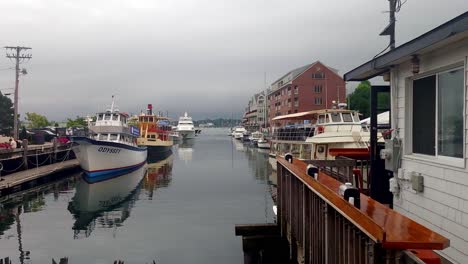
x=310, y=114
x=298, y=71
x=452, y=30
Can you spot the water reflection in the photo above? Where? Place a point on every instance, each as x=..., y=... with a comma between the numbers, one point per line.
x=14, y=206
x=159, y=175
x=106, y=204
x=185, y=150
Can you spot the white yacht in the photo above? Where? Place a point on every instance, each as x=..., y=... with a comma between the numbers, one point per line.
x=185, y=127
x=111, y=148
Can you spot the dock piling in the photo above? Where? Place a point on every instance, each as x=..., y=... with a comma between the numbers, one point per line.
x=25, y=154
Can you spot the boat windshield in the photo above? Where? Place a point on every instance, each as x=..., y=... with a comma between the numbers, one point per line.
x=347, y=117
x=335, y=117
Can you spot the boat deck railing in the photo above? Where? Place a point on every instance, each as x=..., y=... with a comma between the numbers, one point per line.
x=292, y=134
x=323, y=227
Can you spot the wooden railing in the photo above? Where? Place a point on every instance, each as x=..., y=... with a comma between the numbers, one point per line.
x=322, y=227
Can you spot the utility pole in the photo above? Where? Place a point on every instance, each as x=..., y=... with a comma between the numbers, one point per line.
x=19, y=57
x=390, y=29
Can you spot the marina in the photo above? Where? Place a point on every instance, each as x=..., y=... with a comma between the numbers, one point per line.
x=329, y=159
x=155, y=217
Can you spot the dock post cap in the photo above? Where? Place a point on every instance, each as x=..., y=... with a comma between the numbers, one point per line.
x=312, y=171
x=289, y=157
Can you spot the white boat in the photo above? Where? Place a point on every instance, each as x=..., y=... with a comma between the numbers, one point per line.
x=185, y=127
x=239, y=132
x=256, y=136
x=263, y=143
x=336, y=132
x=111, y=149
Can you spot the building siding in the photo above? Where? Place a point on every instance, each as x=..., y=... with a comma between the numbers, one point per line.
x=443, y=205
x=333, y=89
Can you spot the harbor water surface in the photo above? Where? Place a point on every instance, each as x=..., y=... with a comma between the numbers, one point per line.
x=181, y=209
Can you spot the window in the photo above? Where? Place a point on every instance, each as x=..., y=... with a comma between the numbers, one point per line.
x=289, y=88
x=107, y=117
x=318, y=75
x=336, y=117
x=318, y=88
x=347, y=117
x=113, y=137
x=289, y=112
x=296, y=90
x=100, y=117
x=114, y=117
x=295, y=111
x=438, y=102
x=321, y=119
x=318, y=100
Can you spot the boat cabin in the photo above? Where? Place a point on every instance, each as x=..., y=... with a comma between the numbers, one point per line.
x=112, y=126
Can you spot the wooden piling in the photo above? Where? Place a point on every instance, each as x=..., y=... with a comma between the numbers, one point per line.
x=25, y=154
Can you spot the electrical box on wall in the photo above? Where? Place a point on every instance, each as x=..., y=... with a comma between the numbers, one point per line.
x=417, y=182
x=391, y=154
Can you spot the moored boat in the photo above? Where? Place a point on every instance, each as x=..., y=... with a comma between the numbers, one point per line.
x=336, y=132
x=111, y=149
x=238, y=132
x=263, y=143
x=185, y=127
x=256, y=136
x=154, y=133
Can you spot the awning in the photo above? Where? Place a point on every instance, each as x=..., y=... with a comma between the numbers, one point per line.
x=309, y=115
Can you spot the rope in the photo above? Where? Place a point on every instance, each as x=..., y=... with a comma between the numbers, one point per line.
x=8, y=171
x=37, y=162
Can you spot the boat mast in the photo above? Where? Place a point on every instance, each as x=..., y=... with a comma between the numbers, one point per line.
x=112, y=105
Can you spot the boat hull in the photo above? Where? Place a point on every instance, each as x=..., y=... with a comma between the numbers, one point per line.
x=263, y=145
x=102, y=160
x=186, y=134
x=157, y=153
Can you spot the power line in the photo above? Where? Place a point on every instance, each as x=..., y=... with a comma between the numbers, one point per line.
x=17, y=54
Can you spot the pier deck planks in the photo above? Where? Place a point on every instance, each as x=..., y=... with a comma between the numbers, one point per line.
x=36, y=173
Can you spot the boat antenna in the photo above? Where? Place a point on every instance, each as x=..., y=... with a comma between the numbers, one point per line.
x=112, y=105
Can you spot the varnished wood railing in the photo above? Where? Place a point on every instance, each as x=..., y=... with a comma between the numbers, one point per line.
x=322, y=227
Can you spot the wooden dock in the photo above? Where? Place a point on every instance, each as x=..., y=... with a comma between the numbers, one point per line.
x=19, y=178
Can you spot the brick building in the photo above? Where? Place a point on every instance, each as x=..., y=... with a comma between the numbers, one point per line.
x=310, y=87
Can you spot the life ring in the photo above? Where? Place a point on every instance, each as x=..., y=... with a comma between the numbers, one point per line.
x=320, y=129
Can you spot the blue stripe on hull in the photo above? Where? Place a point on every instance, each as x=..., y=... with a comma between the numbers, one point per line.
x=97, y=176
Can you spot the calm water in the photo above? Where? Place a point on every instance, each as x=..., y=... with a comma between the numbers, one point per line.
x=181, y=210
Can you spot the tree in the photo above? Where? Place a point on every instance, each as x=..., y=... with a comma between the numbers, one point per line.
x=360, y=99
x=78, y=122
x=6, y=115
x=36, y=120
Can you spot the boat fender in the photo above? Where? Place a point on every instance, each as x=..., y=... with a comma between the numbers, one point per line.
x=289, y=157
x=312, y=171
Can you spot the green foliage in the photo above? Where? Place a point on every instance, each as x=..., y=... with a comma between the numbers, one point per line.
x=36, y=120
x=6, y=115
x=360, y=99
x=78, y=122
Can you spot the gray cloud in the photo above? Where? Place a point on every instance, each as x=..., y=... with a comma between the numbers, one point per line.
x=205, y=57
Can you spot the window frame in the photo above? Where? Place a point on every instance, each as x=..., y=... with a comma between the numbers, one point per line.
x=408, y=150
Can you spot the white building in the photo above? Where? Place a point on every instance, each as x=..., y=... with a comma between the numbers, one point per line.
x=255, y=116
x=428, y=81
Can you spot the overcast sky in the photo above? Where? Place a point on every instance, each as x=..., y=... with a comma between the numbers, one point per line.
x=202, y=56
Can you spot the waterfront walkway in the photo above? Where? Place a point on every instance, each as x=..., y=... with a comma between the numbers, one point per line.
x=21, y=177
